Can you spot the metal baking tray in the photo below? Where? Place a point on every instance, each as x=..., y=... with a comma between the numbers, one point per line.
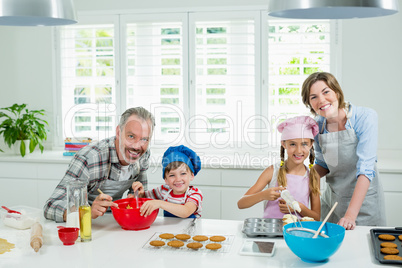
x=374, y=233
x=253, y=227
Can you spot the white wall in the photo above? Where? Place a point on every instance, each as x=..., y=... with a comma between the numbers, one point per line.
x=370, y=72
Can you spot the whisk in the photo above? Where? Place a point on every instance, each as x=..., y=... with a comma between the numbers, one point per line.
x=295, y=206
x=190, y=228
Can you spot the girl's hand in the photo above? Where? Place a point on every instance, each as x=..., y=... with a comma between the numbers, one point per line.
x=272, y=194
x=284, y=208
x=148, y=207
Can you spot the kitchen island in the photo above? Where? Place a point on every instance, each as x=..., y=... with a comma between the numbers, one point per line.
x=112, y=246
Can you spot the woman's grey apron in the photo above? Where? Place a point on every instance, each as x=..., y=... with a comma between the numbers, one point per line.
x=339, y=152
x=114, y=188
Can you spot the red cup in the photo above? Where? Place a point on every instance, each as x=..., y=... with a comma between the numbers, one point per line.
x=68, y=235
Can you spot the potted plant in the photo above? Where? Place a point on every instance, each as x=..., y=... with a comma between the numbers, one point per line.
x=21, y=124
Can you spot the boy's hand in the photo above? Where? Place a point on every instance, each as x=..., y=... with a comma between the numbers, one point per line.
x=272, y=193
x=148, y=207
x=137, y=186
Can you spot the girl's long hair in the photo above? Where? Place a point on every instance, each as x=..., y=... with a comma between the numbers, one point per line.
x=314, y=177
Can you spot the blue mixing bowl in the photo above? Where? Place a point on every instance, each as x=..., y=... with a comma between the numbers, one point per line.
x=314, y=249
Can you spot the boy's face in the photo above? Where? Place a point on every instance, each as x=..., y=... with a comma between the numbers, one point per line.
x=179, y=179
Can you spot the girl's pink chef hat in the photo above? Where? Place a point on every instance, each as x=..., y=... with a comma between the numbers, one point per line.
x=300, y=127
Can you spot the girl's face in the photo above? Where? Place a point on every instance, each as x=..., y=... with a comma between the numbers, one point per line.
x=323, y=100
x=297, y=149
x=179, y=179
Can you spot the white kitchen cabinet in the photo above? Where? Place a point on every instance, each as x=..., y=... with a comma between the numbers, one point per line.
x=235, y=183
x=18, y=191
x=392, y=185
x=29, y=184
x=30, y=181
x=230, y=211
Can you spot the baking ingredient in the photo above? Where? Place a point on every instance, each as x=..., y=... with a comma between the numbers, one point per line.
x=289, y=218
x=285, y=194
x=85, y=223
x=5, y=246
x=73, y=219
x=265, y=247
x=18, y=221
x=36, y=236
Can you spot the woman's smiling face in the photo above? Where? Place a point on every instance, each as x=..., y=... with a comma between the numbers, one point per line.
x=323, y=100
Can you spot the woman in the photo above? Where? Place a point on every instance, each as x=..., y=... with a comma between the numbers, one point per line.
x=346, y=153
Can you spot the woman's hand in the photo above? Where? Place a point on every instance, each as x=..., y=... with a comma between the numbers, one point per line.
x=347, y=222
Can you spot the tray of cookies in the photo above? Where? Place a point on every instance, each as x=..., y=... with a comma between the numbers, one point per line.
x=253, y=227
x=387, y=245
x=186, y=243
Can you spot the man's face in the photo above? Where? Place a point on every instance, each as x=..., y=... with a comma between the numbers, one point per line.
x=132, y=140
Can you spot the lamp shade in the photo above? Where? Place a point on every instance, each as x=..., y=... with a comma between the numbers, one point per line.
x=37, y=12
x=331, y=9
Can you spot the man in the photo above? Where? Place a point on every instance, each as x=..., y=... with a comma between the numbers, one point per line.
x=111, y=165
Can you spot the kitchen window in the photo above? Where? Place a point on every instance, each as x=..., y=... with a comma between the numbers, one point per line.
x=213, y=80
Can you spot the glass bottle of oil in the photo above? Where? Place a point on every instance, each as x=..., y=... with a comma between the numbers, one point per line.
x=85, y=217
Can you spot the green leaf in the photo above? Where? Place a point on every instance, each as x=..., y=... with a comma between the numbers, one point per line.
x=22, y=148
x=32, y=145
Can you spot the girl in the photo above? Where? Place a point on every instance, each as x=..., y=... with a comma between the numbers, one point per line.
x=297, y=139
x=176, y=197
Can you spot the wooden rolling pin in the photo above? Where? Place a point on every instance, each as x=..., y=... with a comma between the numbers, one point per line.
x=36, y=236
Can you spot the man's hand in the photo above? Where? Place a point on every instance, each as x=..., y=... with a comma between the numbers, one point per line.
x=100, y=205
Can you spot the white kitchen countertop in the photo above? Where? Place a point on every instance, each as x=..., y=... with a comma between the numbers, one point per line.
x=113, y=247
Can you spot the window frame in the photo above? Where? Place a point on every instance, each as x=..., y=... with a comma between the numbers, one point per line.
x=188, y=17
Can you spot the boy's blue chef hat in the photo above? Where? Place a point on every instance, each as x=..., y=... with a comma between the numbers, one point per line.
x=181, y=154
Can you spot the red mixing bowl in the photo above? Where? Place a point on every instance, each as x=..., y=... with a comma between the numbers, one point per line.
x=130, y=218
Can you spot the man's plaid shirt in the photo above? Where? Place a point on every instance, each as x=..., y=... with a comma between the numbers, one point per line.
x=91, y=165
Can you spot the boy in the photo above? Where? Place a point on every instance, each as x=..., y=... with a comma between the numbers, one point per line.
x=176, y=197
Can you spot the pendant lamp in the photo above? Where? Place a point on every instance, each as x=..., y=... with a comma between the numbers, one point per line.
x=331, y=9
x=37, y=12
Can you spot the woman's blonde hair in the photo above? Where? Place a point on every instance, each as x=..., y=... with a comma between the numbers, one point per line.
x=328, y=79
x=313, y=179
